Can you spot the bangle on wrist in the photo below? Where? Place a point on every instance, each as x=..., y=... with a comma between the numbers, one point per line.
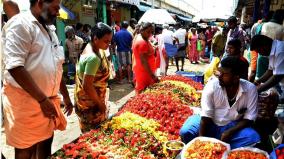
x=42, y=100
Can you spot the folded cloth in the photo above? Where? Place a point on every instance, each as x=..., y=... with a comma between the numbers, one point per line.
x=60, y=121
x=25, y=124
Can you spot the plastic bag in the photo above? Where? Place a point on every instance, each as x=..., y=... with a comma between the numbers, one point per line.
x=199, y=45
x=209, y=71
x=183, y=152
x=256, y=150
x=111, y=70
x=114, y=62
x=267, y=104
x=273, y=153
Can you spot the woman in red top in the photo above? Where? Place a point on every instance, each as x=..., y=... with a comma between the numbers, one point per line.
x=144, y=67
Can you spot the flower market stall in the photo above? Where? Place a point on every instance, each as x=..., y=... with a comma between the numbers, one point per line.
x=147, y=123
x=142, y=126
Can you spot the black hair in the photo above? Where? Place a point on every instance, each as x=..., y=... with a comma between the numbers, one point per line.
x=137, y=29
x=124, y=24
x=259, y=40
x=178, y=24
x=233, y=63
x=158, y=29
x=232, y=19
x=145, y=26
x=133, y=21
x=86, y=27
x=78, y=26
x=33, y=2
x=226, y=28
x=100, y=30
x=268, y=17
x=236, y=43
x=278, y=16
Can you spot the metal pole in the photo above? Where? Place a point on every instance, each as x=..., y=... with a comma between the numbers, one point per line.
x=104, y=11
x=153, y=4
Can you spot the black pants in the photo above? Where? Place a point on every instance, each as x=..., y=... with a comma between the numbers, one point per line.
x=265, y=127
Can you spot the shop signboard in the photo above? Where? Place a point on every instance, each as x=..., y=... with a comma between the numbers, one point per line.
x=132, y=2
x=88, y=11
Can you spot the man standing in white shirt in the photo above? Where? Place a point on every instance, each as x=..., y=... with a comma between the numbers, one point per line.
x=32, y=80
x=167, y=34
x=180, y=37
x=274, y=49
x=274, y=28
x=228, y=109
x=171, y=49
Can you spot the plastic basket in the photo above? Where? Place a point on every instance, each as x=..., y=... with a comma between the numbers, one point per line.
x=196, y=76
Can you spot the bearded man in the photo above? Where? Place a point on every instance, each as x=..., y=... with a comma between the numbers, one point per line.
x=33, y=61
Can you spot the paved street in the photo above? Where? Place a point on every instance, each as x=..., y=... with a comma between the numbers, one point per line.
x=119, y=94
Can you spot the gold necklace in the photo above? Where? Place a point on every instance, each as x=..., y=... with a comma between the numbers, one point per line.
x=234, y=98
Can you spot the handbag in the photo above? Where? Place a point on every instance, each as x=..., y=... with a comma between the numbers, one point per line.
x=199, y=45
x=111, y=70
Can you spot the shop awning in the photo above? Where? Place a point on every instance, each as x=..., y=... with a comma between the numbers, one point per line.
x=186, y=19
x=143, y=8
x=131, y=2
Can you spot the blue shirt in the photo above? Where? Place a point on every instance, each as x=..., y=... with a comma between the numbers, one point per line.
x=123, y=40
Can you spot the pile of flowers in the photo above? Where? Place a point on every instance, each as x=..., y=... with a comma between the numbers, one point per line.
x=278, y=152
x=140, y=129
x=245, y=154
x=169, y=113
x=188, y=81
x=205, y=149
x=130, y=121
x=109, y=143
x=178, y=90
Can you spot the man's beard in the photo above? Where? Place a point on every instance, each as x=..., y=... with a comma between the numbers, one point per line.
x=48, y=19
x=221, y=83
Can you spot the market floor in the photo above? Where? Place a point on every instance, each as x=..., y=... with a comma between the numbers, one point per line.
x=119, y=94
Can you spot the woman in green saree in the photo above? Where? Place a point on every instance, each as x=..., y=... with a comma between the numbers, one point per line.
x=92, y=75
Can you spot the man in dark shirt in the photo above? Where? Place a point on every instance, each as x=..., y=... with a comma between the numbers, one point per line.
x=123, y=41
x=234, y=49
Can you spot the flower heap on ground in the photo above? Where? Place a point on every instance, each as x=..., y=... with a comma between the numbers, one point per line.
x=243, y=154
x=142, y=126
x=205, y=150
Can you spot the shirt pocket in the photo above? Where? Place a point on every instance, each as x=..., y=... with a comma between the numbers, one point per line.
x=222, y=114
x=233, y=114
x=59, y=55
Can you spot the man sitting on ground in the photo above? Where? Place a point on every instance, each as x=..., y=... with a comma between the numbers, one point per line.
x=228, y=108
